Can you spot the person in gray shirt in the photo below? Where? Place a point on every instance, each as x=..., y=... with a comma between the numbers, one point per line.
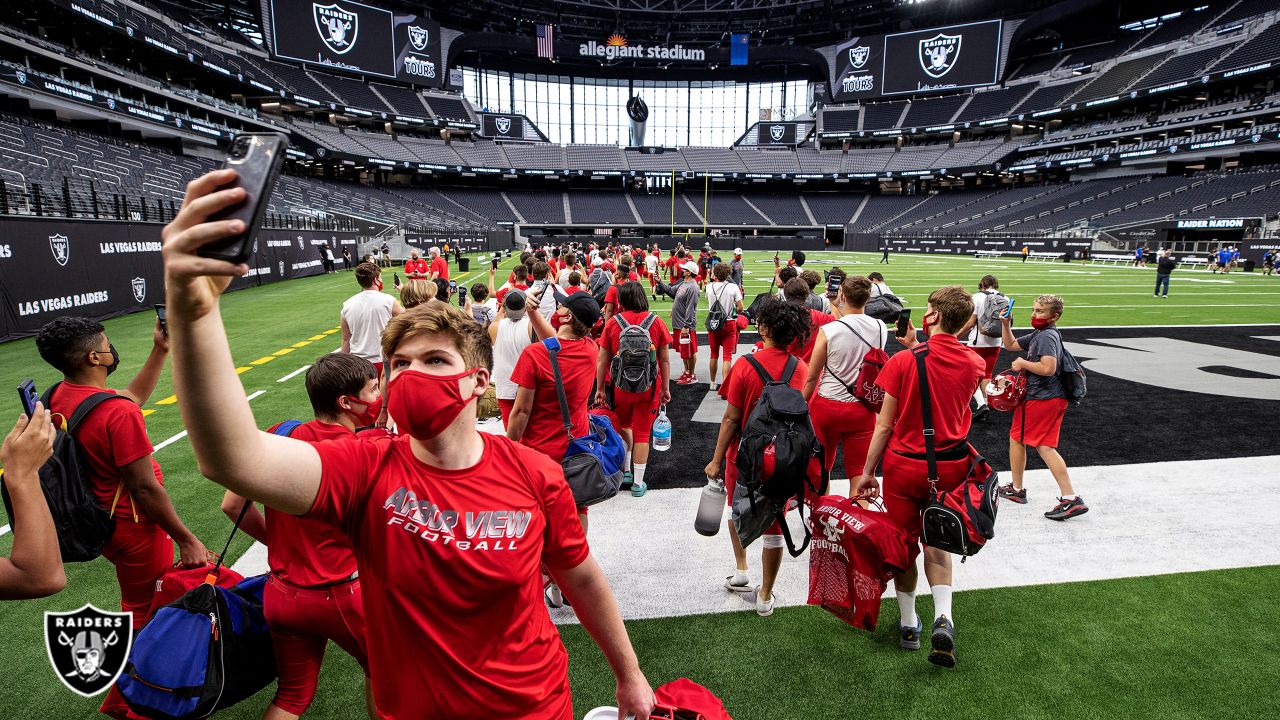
x=735, y=268
x=1037, y=422
x=684, y=318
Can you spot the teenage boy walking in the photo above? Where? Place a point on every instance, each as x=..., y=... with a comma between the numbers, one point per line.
x=1038, y=421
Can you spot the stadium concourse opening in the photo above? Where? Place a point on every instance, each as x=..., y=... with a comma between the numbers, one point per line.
x=667, y=194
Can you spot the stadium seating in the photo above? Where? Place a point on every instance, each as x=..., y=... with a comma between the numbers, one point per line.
x=1181, y=66
x=601, y=206
x=782, y=209
x=354, y=93
x=994, y=103
x=538, y=207
x=935, y=111
x=1263, y=46
x=1120, y=77
x=401, y=100
x=882, y=116
x=833, y=208
x=449, y=107
x=656, y=210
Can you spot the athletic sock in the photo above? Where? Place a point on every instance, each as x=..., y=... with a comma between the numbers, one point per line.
x=1069, y=498
x=980, y=397
x=941, y=601
x=637, y=476
x=907, y=609
x=626, y=464
x=739, y=577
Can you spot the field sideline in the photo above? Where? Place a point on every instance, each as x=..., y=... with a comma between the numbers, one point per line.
x=1132, y=648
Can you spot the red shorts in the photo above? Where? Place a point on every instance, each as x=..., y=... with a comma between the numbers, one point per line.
x=847, y=424
x=636, y=411
x=504, y=407
x=989, y=356
x=724, y=340
x=141, y=552
x=731, y=481
x=1044, y=421
x=687, y=349
x=906, y=488
x=302, y=622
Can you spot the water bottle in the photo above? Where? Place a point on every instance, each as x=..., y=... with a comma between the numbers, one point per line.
x=661, y=440
x=710, y=508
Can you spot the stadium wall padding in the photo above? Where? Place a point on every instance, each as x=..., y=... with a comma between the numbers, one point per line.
x=101, y=269
x=871, y=242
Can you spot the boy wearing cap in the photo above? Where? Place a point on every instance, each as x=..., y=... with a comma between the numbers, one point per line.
x=736, y=268
x=684, y=318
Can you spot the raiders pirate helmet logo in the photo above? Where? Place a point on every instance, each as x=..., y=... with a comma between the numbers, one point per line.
x=88, y=647
x=418, y=37
x=503, y=124
x=938, y=54
x=61, y=248
x=858, y=56
x=338, y=28
x=777, y=131
x=139, y=289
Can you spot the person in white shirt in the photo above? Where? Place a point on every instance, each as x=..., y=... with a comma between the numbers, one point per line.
x=366, y=314
x=987, y=347
x=570, y=264
x=510, y=335
x=540, y=280
x=724, y=342
x=651, y=260
x=878, y=286
x=839, y=418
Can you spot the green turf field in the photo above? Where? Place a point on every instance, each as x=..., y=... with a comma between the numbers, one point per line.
x=1176, y=646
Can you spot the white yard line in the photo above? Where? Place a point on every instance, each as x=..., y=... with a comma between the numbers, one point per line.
x=294, y=374
x=183, y=434
x=4, y=530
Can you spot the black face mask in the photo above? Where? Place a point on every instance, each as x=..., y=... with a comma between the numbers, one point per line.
x=115, y=359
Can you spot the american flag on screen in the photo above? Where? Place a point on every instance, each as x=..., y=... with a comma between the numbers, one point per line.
x=546, y=41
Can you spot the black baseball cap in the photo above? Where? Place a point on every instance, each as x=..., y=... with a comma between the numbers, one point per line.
x=582, y=305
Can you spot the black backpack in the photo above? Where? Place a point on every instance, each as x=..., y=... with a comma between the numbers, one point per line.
x=84, y=528
x=717, y=315
x=885, y=307
x=635, y=366
x=753, y=311
x=598, y=283
x=779, y=420
x=1071, y=373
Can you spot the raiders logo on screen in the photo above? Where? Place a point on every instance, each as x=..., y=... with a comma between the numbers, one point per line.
x=777, y=131
x=503, y=124
x=938, y=54
x=139, y=289
x=61, y=248
x=338, y=28
x=858, y=56
x=88, y=647
x=418, y=37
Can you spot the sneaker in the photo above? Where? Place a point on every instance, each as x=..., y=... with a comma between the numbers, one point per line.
x=909, y=637
x=764, y=608
x=627, y=480
x=738, y=583
x=942, y=643
x=638, y=489
x=714, y=385
x=553, y=596
x=686, y=380
x=1067, y=509
x=981, y=412
x=1008, y=492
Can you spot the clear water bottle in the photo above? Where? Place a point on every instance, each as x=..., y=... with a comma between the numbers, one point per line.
x=710, y=508
x=661, y=439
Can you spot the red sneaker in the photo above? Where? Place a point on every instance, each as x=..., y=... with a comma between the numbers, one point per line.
x=686, y=380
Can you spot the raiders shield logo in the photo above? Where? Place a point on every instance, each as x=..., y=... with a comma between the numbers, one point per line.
x=338, y=28
x=503, y=124
x=88, y=647
x=281, y=268
x=938, y=54
x=139, y=289
x=777, y=131
x=61, y=248
x=858, y=56
x=418, y=37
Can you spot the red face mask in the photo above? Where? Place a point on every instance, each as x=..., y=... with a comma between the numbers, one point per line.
x=424, y=405
x=371, y=411
x=925, y=324
x=378, y=284
x=1039, y=323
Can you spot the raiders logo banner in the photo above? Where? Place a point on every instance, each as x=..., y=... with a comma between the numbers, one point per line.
x=501, y=126
x=341, y=34
x=776, y=133
x=946, y=58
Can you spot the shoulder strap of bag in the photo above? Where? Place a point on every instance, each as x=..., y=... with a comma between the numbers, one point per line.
x=648, y=322
x=926, y=415
x=622, y=322
x=87, y=405
x=553, y=349
x=792, y=363
x=764, y=374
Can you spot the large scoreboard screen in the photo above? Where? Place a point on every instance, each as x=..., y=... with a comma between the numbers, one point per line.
x=356, y=37
x=921, y=61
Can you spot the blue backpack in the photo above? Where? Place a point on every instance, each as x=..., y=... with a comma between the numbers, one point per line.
x=207, y=650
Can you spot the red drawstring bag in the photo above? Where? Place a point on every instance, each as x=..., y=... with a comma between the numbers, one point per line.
x=685, y=699
x=853, y=555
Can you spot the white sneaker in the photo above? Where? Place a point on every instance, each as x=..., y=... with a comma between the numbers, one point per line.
x=738, y=583
x=713, y=387
x=765, y=608
x=553, y=595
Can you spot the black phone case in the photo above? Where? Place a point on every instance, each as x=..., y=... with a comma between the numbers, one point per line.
x=256, y=172
x=28, y=400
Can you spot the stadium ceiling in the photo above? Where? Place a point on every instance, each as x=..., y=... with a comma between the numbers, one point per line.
x=707, y=23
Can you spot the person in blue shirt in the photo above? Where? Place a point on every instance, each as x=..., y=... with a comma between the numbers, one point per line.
x=1137, y=257
x=1268, y=262
x=1224, y=260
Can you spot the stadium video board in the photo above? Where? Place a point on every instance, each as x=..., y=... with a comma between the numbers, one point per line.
x=356, y=37
x=777, y=133
x=920, y=61
x=958, y=56
x=502, y=127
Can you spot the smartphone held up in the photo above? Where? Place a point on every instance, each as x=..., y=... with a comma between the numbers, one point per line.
x=257, y=159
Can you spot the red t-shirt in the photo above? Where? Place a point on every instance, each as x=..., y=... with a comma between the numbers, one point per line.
x=954, y=371
x=111, y=437
x=804, y=350
x=303, y=551
x=440, y=266
x=502, y=292
x=450, y=568
x=571, y=289
x=611, y=295
x=743, y=387
x=545, y=431
x=415, y=268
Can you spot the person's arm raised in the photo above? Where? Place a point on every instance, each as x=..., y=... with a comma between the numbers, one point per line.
x=144, y=383
x=279, y=471
x=34, y=567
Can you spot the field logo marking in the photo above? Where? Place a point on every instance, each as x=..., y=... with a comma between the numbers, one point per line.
x=1183, y=365
x=88, y=647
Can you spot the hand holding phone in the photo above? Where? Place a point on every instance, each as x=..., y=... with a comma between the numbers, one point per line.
x=162, y=316
x=257, y=159
x=904, y=323
x=1009, y=311
x=28, y=395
